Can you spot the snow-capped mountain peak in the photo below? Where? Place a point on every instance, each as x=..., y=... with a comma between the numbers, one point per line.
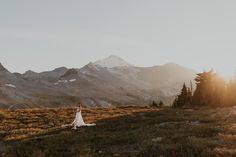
x=111, y=62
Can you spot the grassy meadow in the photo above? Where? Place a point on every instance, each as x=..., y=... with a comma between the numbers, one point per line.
x=120, y=132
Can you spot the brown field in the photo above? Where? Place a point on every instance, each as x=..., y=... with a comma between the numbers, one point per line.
x=23, y=123
x=124, y=131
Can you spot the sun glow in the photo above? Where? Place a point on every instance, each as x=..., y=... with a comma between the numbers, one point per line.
x=226, y=74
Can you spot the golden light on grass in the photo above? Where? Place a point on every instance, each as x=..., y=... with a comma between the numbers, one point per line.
x=24, y=123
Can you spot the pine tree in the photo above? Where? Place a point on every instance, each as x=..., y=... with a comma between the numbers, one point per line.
x=210, y=89
x=161, y=104
x=154, y=104
x=189, y=96
x=184, y=98
x=230, y=98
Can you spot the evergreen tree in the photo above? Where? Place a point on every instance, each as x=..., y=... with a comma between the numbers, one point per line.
x=154, y=104
x=210, y=89
x=161, y=104
x=189, y=97
x=230, y=95
x=184, y=98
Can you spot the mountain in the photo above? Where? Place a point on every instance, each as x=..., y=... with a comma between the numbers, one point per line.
x=49, y=76
x=111, y=62
x=2, y=68
x=111, y=81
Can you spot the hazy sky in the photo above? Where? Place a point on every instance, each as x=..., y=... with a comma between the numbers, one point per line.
x=45, y=34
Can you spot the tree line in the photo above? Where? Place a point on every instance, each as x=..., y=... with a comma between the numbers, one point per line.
x=211, y=90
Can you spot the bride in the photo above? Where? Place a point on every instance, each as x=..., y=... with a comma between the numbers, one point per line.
x=79, y=122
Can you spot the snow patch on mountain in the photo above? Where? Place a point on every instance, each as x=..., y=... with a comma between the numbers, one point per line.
x=62, y=81
x=72, y=80
x=10, y=85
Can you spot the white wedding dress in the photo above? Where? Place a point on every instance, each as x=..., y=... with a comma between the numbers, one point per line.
x=79, y=122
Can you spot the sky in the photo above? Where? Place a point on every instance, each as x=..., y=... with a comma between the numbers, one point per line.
x=46, y=34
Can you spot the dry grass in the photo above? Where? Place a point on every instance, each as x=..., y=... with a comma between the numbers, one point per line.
x=127, y=131
x=23, y=123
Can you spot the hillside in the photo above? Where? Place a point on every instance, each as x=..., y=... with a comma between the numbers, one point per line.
x=129, y=131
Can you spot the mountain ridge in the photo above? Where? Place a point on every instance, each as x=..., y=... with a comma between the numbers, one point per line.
x=2, y=68
x=94, y=85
